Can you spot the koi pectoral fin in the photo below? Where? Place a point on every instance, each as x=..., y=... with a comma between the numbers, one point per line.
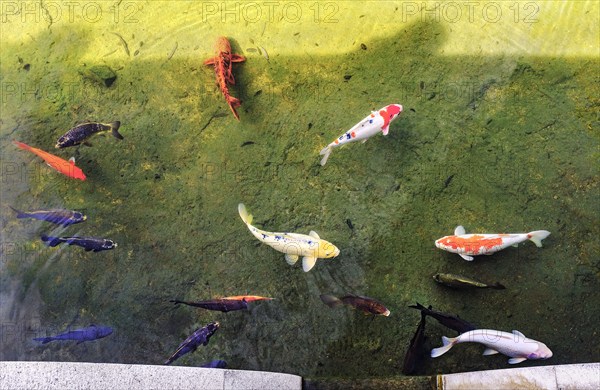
x=466, y=257
x=308, y=263
x=291, y=259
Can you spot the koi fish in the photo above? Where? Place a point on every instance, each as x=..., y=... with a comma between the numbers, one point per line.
x=57, y=216
x=215, y=364
x=223, y=305
x=67, y=168
x=515, y=345
x=458, y=281
x=78, y=134
x=89, y=333
x=365, y=304
x=414, y=354
x=249, y=298
x=88, y=243
x=200, y=337
x=448, y=320
x=294, y=245
x=468, y=245
x=378, y=121
x=222, y=63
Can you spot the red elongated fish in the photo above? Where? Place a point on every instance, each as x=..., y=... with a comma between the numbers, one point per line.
x=248, y=298
x=65, y=167
x=222, y=63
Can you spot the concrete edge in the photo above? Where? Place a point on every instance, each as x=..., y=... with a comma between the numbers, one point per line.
x=62, y=375
x=561, y=377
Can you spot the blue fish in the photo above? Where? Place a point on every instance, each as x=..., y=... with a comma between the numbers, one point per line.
x=80, y=133
x=88, y=243
x=57, y=216
x=90, y=333
x=199, y=337
x=215, y=364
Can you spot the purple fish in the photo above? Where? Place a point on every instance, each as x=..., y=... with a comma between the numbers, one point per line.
x=88, y=243
x=90, y=333
x=215, y=364
x=57, y=216
x=199, y=337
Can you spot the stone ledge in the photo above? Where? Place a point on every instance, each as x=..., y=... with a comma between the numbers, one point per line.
x=562, y=377
x=60, y=375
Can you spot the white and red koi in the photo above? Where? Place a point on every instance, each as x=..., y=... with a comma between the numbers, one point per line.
x=469, y=245
x=222, y=63
x=377, y=121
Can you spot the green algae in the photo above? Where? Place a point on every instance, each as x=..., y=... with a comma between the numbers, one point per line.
x=517, y=134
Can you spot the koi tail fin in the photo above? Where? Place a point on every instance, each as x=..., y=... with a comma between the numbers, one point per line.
x=20, y=214
x=418, y=306
x=44, y=340
x=22, y=145
x=537, y=236
x=247, y=218
x=448, y=343
x=115, y=129
x=325, y=152
x=330, y=300
x=233, y=103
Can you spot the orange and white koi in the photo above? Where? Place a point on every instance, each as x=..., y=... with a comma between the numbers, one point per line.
x=374, y=123
x=65, y=167
x=469, y=245
x=222, y=63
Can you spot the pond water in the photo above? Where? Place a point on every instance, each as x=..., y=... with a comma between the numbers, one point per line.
x=499, y=133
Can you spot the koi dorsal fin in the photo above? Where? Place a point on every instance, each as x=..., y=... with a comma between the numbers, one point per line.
x=459, y=231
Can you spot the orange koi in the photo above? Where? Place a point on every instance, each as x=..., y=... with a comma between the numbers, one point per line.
x=65, y=167
x=222, y=63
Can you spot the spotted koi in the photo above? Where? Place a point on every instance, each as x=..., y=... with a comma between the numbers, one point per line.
x=374, y=123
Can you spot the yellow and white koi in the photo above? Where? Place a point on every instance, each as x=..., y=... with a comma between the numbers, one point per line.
x=310, y=247
x=377, y=121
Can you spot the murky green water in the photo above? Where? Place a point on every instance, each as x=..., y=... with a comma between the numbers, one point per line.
x=500, y=134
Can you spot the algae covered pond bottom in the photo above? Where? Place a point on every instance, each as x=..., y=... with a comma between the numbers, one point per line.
x=499, y=133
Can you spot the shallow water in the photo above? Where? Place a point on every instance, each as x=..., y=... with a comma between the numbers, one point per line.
x=499, y=134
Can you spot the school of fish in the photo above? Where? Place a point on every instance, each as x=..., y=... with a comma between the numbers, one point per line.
x=295, y=246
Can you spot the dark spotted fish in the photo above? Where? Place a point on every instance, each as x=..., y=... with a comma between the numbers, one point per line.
x=365, y=304
x=80, y=133
x=459, y=281
x=88, y=243
x=57, y=216
x=199, y=337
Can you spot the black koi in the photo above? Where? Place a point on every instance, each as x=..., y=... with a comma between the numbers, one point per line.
x=78, y=134
x=448, y=320
x=88, y=243
x=223, y=305
x=57, y=216
x=415, y=351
